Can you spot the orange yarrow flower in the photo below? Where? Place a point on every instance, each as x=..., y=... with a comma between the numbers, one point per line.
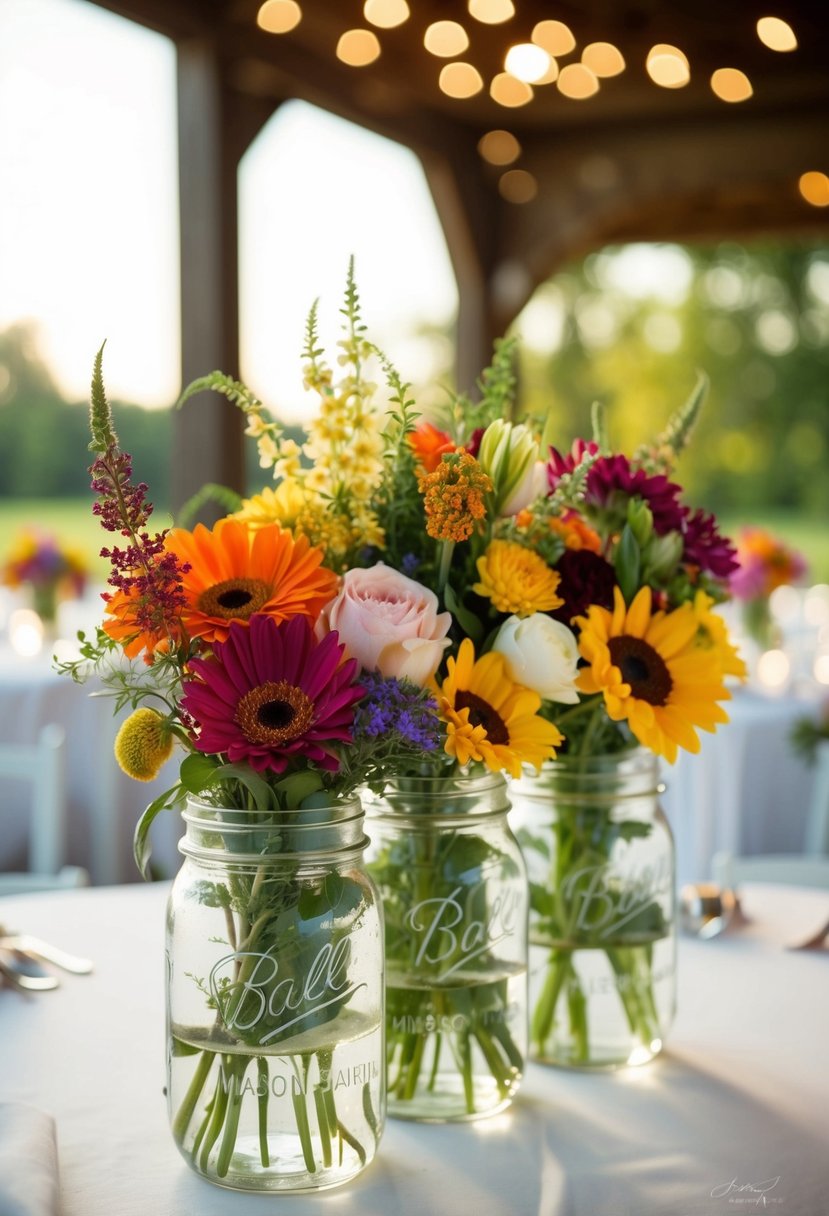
x=453, y=496
x=429, y=445
x=575, y=533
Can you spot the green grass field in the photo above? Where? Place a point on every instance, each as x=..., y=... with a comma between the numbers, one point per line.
x=72, y=519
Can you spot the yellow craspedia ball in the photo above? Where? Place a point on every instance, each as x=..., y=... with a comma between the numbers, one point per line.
x=142, y=744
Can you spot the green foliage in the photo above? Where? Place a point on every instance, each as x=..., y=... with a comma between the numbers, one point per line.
x=497, y=392
x=100, y=415
x=226, y=498
x=218, y=382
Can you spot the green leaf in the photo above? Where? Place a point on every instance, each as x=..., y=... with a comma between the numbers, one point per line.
x=218, y=382
x=598, y=417
x=197, y=771
x=628, y=562
x=141, y=845
x=466, y=619
x=227, y=499
x=677, y=433
x=296, y=787
x=258, y=788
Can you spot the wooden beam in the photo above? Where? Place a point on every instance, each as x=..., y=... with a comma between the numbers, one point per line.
x=215, y=126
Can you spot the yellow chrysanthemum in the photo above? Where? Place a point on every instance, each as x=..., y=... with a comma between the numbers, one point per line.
x=142, y=745
x=280, y=506
x=652, y=672
x=491, y=719
x=517, y=580
x=712, y=635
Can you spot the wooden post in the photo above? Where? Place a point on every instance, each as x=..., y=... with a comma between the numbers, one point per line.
x=208, y=431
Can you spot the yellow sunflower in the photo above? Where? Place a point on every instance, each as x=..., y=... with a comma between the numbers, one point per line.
x=712, y=635
x=236, y=571
x=517, y=580
x=652, y=672
x=491, y=719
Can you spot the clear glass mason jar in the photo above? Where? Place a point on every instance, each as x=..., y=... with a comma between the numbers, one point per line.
x=275, y=999
x=600, y=857
x=454, y=890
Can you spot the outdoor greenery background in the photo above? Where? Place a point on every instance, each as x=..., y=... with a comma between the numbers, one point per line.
x=755, y=319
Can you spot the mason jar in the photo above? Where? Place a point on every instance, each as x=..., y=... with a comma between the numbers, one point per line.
x=600, y=858
x=454, y=889
x=275, y=998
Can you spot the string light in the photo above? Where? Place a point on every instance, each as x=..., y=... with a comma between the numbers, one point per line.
x=517, y=186
x=527, y=62
x=499, y=147
x=491, y=12
x=508, y=91
x=386, y=14
x=555, y=37
x=603, y=59
x=460, y=80
x=776, y=34
x=358, y=48
x=730, y=84
x=577, y=82
x=814, y=187
x=445, y=39
x=668, y=66
x=278, y=16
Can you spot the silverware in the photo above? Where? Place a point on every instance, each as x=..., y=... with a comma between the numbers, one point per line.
x=706, y=909
x=24, y=943
x=20, y=978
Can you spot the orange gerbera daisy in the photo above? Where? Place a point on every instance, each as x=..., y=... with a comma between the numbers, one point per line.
x=236, y=571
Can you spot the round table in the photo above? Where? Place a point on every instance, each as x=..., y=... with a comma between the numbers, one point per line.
x=731, y=1116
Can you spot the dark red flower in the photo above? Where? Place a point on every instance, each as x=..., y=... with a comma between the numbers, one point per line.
x=559, y=464
x=474, y=444
x=611, y=483
x=586, y=579
x=705, y=547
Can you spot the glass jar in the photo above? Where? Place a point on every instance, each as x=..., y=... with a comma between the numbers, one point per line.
x=275, y=999
x=600, y=857
x=454, y=890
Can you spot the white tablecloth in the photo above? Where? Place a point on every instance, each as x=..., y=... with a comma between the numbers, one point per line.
x=738, y=1098
x=747, y=791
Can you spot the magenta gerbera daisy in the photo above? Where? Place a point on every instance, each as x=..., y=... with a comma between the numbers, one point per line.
x=271, y=693
x=611, y=483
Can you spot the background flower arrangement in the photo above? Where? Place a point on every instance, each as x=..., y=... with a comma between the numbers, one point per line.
x=50, y=568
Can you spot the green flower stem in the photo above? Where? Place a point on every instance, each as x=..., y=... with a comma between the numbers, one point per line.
x=217, y=1115
x=545, y=1008
x=181, y=1121
x=325, y=1131
x=234, y=1108
x=263, y=1095
x=447, y=548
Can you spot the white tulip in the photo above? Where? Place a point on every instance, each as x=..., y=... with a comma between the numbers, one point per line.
x=542, y=654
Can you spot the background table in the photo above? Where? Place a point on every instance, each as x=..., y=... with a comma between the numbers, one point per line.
x=739, y=1094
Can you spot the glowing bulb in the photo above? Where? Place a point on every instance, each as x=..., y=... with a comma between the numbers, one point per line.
x=445, y=39
x=508, y=91
x=814, y=187
x=577, y=82
x=460, y=80
x=773, y=668
x=517, y=186
x=386, y=14
x=550, y=76
x=776, y=34
x=26, y=632
x=278, y=16
x=667, y=66
x=554, y=36
x=499, y=147
x=730, y=84
x=358, y=48
x=603, y=59
x=491, y=12
x=527, y=62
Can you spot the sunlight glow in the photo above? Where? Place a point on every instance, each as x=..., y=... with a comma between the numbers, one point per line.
x=460, y=80
x=358, y=48
x=445, y=39
x=508, y=91
x=555, y=37
x=776, y=34
x=577, y=82
x=499, y=147
x=527, y=62
x=278, y=16
x=386, y=14
x=730, y=84
x=668, y=66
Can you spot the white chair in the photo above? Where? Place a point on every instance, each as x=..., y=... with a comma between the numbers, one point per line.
x=41, y=766
x=792, y=869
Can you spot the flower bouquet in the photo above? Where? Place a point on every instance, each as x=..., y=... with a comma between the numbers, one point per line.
x=407, y=516
x=764, y=564
x=49, y=567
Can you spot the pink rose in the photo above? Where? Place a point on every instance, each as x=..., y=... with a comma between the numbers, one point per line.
x=389, y=623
